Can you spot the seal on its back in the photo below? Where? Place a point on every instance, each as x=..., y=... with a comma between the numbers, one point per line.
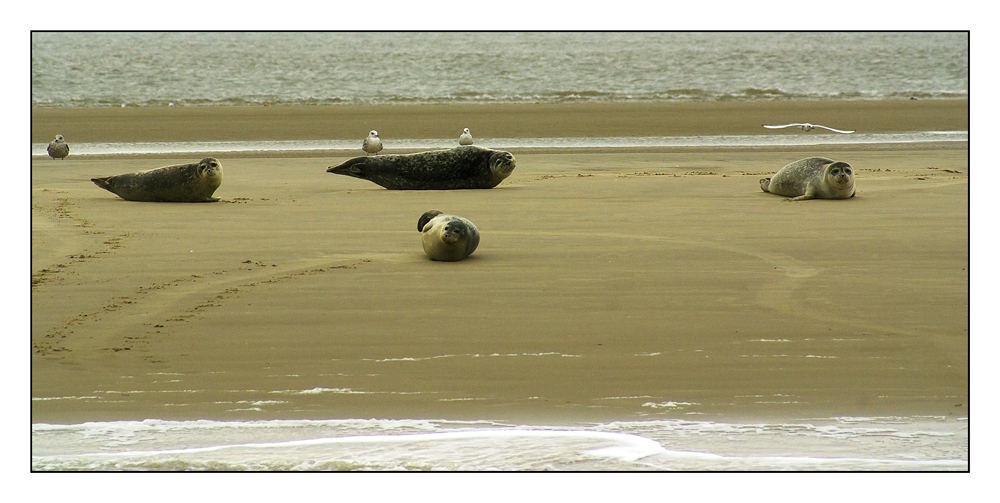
x=466, y=167
x=58, y=148
x=812, y=178
x=183, y=183
x=447, y=238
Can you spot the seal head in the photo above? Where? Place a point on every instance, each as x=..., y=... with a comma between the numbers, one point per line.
x=465, y=167
x=447, y=238
x=812, y=178
x=186, y=183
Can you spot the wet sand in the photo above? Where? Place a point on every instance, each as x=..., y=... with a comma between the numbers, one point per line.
x=609, y=284
x=489, y=121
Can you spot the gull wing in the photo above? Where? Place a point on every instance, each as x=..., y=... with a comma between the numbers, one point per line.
x=834, y=130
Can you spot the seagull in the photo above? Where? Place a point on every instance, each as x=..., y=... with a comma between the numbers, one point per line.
x=805, y=126
x=466, y=138
x=372, y=144
x=58, y=148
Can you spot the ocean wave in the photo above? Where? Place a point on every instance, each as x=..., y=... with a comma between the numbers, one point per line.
x=673, y=95
x=219, y=69
x=918, y=444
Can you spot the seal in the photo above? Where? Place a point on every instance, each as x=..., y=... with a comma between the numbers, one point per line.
x=812, y=178
x=447, y=238
x=372, y=144
x=58, y=148
x=183, y=183
x=465, y=138
x=466, y=167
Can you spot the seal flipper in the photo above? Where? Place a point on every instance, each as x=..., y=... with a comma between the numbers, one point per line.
x=427, y=217
x=810, y=194
x=764, y=184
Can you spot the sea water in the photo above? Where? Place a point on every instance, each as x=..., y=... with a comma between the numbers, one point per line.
x=350, y=147
x=817, y=444
x=73, y=69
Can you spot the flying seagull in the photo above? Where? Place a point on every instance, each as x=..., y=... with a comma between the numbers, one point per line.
x=805, y=126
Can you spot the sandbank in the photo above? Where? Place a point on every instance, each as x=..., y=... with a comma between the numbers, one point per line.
x=613, y=284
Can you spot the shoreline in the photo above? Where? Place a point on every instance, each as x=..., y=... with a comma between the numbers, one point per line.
x=345, y=122
x=349, y=153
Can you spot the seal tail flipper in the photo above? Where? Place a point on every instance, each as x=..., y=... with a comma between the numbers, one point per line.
x=764, y=184
x=104, y=183
x=427, y=217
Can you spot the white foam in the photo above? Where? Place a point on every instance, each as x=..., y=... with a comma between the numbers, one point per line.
x=317, y=390
x=141, y=148
x=668, y=404
x=359, y=444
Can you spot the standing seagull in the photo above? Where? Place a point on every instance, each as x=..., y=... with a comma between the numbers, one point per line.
x=372, y=144
x=466, y=138
x=805, y=126
x=58, y=148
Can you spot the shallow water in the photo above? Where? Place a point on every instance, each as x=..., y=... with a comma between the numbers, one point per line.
x=821, y=444
x=354, y=146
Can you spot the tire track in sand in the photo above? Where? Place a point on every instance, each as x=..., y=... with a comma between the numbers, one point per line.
x=152, y=309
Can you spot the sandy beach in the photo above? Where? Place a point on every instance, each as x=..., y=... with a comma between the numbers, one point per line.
x=609, y=283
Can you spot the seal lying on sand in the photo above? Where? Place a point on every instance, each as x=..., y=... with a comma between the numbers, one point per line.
x=58, y=148
x=467, y=167
x=183, y=183
x=812, y=178
x=447, y=238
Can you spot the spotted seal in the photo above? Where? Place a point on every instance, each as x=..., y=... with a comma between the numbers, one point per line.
x=812, y=178
x=183, y=183
x=465, y=167
x=58, y=148
x=447, y=238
